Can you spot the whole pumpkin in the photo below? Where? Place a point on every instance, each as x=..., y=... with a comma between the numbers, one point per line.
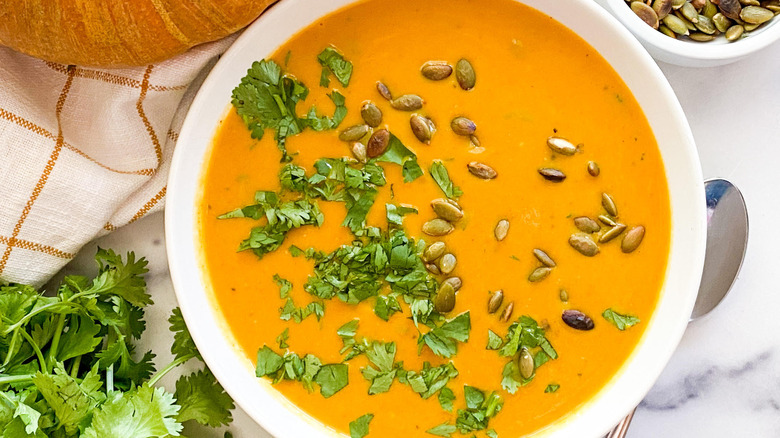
x=115, y=33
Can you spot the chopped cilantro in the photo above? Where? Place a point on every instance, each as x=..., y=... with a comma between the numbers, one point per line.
x=333, y=61
x=523, y=333
x=445, y=430
x=283, y=337
x=442, y=177
x=429, y=380
x=399, y=154
x=382, y=374
x=446, y=398
x=396, y=213
x=442, y=340
x=284, y=286
x=552, y=387
x=308, y=370
x=494, y=341
x=353, y=347
x=290, y=311
x=332, y=378
x=386, y=306
x=622, y=322
x=359, y=427
x=480, y=408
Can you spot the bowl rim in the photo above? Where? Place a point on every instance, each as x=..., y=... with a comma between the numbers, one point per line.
x=701, y=51
x=283, y=419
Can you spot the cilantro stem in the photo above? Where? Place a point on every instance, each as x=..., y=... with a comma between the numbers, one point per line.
x=36, y=348
x=18, y=378
x=110, y=379
x=55, y=342
x=74, y=367
x=170, y=366
x=41, y=309
x=11, y=348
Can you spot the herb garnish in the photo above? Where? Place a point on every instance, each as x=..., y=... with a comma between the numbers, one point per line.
x=289, y=310
x=396, y=213
x=442, y=340
x=382, y=374
x=442, y=177
x=333, y=61
x=359, y=427
x=480, y=408
x=622, y=322
x=399, y=154
x=552, y=387
x=430, y=380
x=308, y=370
x=524, y=333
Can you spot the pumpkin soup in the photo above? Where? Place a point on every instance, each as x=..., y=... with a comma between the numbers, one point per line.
x=446, y=218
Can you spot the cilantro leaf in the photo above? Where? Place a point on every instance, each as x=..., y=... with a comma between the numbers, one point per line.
x=443, y=340
x=386, y=306
x=396, y=213
x=382, y=355
x=399, y=154
x=446, y=398
x=552, y=387
x=524, y=333
x=124, y=279
x=144, y=411
x=268, y=362
x=290, y=311
x=622, y=322
x=429, y=380
x=282, y=338
x=183, y=345
x=81, y=338
x=285, y=286
x=445, y=430
x=480, y=408
x=332, y=378
x=203, y=399
x=359, y=427
x=442, y=177
x=494, y=341
x=333, y=61
x=71, y=400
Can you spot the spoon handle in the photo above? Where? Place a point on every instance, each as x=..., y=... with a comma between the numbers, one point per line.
x=621, y=429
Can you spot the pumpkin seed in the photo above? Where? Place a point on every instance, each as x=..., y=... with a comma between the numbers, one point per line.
x=722, y=23
x=688, y=23
x=646, y=13
x=675, y=24
x=447, y=263
x=371, y=114
x=577, y=320
x=709, y=9
x=750, y=27
x=563, y=295
x=507, y=313
x=407, y=102
x=662, y=8
x=677, y=4
x=436, y=70
x=432, y=268
x=584, y=244
x=593, y=168
x=586, y=224
x=354, y=133
x=482, y=171
x=501, y=230
x=701, y=37
x=463, y=126
x=377, y=143
x=553, y=175
x=561, y=146
x=544, y=258
x=706, y=25
x=734, y=32
x=609, y=204
x=539, y=274
x=526, y=363
x=455, y=282
x=495, y=300
x=632, y=239
x=612, y=233
x=465, y=75
x=750, y=2
x=772, y=5
x=384, y=91
x=437, y=227
x=730, y=8
x=434, y=251
x=666, y=31
x=445, y=299
x=422, y=128
x=689, y=12
x=359, y=151
x=755, y=14
x=698, y=4
x=606, y=220
x=446, y=211
x=474, y=140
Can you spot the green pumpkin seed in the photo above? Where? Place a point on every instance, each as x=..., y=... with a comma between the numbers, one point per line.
x=609, y=204
x=445, y=299
x=612, y=233
x=701, y=37
x=434, y=251
x=544, y=258
x=561, y=146
x=773, y=6
x=371, y=114
x=675, y=24
x=446, y=210
x=455, y=282
x=436, y=70
x=662, y=8
x=495, y=300
x=506, y=315
x=606, y=220
x=539, y=274
x=447, y=263
x=593, y=168
x=463, y=126
x=422, y=128
x=755, y=15
x=706, y=25
x=437, y=227
x=481, y=170
x=689, y=12
x=722, y=23
x=526, y=363
x=688, y=23
x=646, y=13
x=465, y=75
x=750, y=2
x=730, y=8
x=750, y=27
x=734, y=32
x=666, y=31
x=475, y=143
x=632, y=239
x=563, y=295
x=407, y=102
x=354, y=133
x=709, y=10
x=586, y=224
x=501, y=230
x=553, y=175
x=377, y=143
x=432, y=268
x=384, y=91
x=584, y=244
x=677, y=4
x=359, y=151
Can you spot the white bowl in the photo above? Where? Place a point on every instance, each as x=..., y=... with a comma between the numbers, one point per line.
x=693, y=53
x=665, y=328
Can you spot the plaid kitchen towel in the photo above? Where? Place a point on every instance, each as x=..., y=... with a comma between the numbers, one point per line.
x=84, y=151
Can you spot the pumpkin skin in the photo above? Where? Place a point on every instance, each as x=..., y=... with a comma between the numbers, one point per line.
x=119, y=33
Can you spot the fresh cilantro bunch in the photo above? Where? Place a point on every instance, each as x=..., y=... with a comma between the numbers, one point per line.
x=68, y=367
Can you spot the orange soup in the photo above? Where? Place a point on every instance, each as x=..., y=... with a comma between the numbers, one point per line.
x=360, y=268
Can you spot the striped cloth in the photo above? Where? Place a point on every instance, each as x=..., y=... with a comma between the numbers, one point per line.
x=84, y=151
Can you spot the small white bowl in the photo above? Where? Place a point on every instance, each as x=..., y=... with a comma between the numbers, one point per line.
x=693, y=53
x=684, y=178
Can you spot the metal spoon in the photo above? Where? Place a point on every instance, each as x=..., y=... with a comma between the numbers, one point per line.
x=727, y=236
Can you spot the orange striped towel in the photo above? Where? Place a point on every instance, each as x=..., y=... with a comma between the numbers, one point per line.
x=84, y=151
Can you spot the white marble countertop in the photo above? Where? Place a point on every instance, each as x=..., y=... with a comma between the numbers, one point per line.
x=724, y=380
